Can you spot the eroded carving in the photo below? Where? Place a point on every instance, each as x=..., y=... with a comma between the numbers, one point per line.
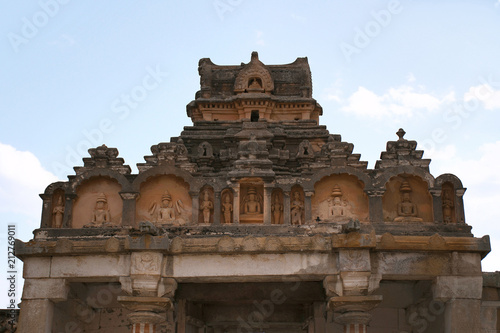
x=277, y=207
x=227, y=207
x=101, y=216
x=167, y=211
x=448, y=205
x=296, y=208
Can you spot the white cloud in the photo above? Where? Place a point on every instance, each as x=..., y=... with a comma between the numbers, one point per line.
x=486, y=94
x=22, y=178
x=404, y=100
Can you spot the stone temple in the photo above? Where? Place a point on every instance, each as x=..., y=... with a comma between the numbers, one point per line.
x=257, y=219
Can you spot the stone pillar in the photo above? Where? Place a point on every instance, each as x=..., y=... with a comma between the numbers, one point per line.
x=375, y=204
x=146, y=312
x=307, y=207
x=352, y=311
x=286, y=207
x=46, y=211
x=462, y=298
x=195, y=211
x=128, y=213
x=459, y=205
x=437, y=205
x=267, y=204
x=68, y=209
x=39, y=296
x=236, y=204
x=217, y=208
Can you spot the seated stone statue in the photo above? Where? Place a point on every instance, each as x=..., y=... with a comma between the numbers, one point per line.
x=252, y=203
x=407, y=210
x=101, y=215
x=166, y=212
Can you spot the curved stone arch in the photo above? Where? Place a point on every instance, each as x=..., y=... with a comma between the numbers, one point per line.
x=451, y=178
x=387, y=174
x=366, y=179
x=94, y=173
x=194, y=184
x=254, y=69
x=49, y=190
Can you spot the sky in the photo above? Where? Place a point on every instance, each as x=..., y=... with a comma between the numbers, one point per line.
x=77, y=74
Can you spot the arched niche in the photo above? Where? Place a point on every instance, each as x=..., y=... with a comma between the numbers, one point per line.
x=338, y=198
x=206, y=198
x=92, y=193
x=164, y=199
x=411, y=191
x=277, y=206
x=227, y=206
x=57, y=209
x=297, y=205
x=448, y=202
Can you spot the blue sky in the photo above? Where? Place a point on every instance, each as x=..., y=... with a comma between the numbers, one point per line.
x=68, y=69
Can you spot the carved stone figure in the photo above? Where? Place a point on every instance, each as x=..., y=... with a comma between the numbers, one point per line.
x=206, y=207
x=296, y=208
x=252, y=202
x=167, y=210
x=101, y=214
x=335, y=202
x=277, y=209
x=58, y=213
x=227, y=208
x=407, y=210
x=447, y=206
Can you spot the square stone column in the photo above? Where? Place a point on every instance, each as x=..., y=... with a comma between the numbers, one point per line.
x=39, y=296
x=267, y=204
x=195, y=210
x=462, y=298
x=217, y=208
x=128, y=214
x=286, y=207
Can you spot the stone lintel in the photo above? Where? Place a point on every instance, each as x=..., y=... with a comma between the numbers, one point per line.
x=457, y=287
x=436, y=242
x=354, y=240
x=55, y=290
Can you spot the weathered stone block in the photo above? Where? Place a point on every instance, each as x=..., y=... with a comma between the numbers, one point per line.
x=38, y=267
x=460, y=287
x=91, y=266
x=53, y=289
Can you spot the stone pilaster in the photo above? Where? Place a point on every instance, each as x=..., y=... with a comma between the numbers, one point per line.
x=459, y=205
x=462, y=298
x=217, y=208
x=68, y=209
x=195, y=211
x=286, y=207
x=236, y=204
x=352, y=311
x=267, y=204
x=437, y=204
x=39, y=296
x=128, y=213
x=375, y=204
x=46, y=211
x=308, y=207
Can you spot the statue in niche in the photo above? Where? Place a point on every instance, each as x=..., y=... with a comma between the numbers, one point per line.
x=447, y=206
x=101, y=216
x=206, y=206
x=407, y=210
x=227, y=208
x=167, y=209
x=277, y=208
x=181, y=149
x=335, y=202
x=58, y=213
x=296, y=208
x=252, y=202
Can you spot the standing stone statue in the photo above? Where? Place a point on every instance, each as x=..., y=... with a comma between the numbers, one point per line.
x=58, y=213
x=206, y=207
x=447, y=207
x=227, y=208
x=277, y=209
x=296, y=208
